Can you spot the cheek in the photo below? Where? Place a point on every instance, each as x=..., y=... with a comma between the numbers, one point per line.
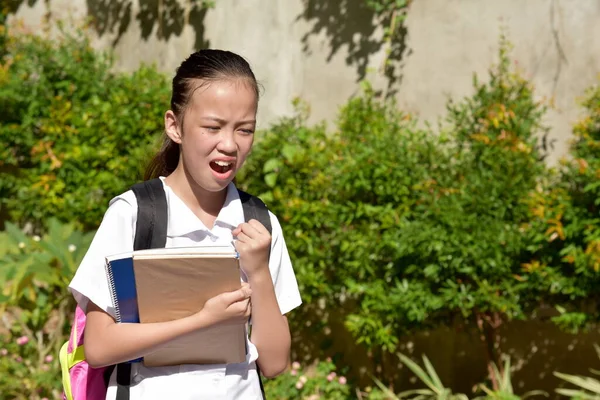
x=198, y=144
x=245, y=145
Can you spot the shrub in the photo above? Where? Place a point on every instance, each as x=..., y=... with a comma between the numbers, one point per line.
x=319, y=381
x=566, y=217
x=35, y=306
x=343, y=197
x=74, y=132
x=400, y=230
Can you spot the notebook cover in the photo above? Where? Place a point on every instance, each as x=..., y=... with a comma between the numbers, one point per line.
x=119, y=270
x=122, y=286
x=170, y=287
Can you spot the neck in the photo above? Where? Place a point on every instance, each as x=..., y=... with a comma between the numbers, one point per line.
x=201, y=201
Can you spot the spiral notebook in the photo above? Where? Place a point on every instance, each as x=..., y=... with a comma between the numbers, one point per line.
x=161, y=285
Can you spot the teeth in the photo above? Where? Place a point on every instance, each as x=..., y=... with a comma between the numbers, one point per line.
x=222, y=163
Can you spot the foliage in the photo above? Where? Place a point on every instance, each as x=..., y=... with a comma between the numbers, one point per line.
x=466, y=245
x=320, y=381
x=74, y=133
x=566, y=217
x=503, y=382
x=399, y=230
x=343, y=199
x=436, y=389
x=589, y=387
x=35, y=306
x=393, y=13
x=3, y=31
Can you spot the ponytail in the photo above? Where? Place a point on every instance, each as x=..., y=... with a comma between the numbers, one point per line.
x=164, y=162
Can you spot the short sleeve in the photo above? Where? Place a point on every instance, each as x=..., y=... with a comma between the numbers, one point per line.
x=114, y=236
x=282, y=272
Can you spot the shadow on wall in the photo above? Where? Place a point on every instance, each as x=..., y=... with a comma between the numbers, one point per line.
x=164, y=17
x=352, y=26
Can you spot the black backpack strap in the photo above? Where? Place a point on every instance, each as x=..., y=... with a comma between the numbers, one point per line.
x=150, y=233
x=255, y=208
x=152, y=215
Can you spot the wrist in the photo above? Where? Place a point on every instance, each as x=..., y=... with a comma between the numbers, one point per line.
x=201, y=319
x=259, y=278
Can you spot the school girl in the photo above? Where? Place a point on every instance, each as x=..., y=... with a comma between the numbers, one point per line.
x=209, y=133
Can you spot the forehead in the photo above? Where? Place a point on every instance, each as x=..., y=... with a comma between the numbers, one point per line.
x=226, y=97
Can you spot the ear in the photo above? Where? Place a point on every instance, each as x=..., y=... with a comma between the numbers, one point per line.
x=172, y=127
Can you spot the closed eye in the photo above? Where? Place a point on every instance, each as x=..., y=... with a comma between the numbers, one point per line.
x=212, y=128
x=247, y=131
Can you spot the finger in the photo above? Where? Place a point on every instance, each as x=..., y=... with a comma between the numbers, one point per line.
x=243, y=293
x=258, y=226
x=237, y=230
x=245, y=284
x=251, y=229
x=243, y=238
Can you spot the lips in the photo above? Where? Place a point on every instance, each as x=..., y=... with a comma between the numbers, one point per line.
x=223, y=169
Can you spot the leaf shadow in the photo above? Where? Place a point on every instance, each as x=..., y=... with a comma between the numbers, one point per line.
x=352, y=26
x=161, y=18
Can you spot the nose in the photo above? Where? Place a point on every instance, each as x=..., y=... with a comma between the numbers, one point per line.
x=227, y=142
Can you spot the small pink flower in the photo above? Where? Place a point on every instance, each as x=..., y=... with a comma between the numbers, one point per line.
x=4, y=352
x=295, y=365
x=331, y=376
x=49, y=359
x=22, y=340
x=342, y=380
x=303, y=379
x=299, y=385
x=294, y=372
x=44, y=398
x=18, y=359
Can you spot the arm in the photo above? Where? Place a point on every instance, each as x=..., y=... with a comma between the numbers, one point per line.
x=109, y=343
x=270, y=330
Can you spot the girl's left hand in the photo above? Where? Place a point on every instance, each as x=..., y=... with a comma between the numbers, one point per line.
x=253, y=244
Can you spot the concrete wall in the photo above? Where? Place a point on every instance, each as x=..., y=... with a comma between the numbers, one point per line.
x=320, y=49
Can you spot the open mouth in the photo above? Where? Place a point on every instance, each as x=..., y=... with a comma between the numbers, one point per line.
x=221, y=167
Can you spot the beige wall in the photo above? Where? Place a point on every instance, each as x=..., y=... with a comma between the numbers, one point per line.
x=315, y=48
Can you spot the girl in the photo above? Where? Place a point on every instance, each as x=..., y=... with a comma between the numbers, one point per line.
x=209, y=133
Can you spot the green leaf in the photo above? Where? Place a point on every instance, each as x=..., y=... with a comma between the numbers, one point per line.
x=272, y=165
x=271, y=179
x=590, y=384
x=419, y=372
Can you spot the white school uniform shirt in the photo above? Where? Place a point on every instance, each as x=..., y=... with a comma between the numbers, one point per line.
x=116, y=234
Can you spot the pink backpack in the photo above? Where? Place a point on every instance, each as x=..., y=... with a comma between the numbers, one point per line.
x=80, y=381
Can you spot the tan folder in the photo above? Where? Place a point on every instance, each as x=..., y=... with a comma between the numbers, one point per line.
x=175, y=283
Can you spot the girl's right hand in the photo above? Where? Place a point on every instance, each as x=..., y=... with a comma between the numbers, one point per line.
x=229, y=307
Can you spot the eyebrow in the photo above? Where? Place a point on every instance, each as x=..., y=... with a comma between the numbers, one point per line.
x=222, y=121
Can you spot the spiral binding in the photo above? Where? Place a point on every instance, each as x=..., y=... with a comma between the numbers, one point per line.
x=113, y=292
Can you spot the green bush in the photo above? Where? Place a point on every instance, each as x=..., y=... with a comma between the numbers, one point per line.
x=35, y=307
x=401, y=230
x=566, y=220
x=319, y=381
x=74, y=132
x=343, y=198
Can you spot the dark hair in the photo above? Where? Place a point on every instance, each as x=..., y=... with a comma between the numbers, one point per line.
x=206, y=66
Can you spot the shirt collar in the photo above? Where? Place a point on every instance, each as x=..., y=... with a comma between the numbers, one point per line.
x=182, y=220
